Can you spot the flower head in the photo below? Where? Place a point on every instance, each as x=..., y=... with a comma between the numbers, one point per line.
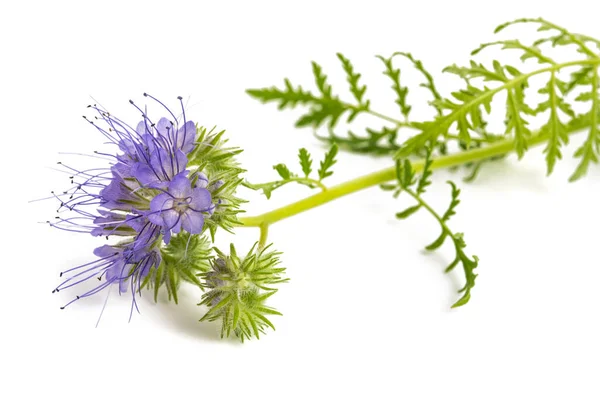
x=181, y=206
x=166, y=177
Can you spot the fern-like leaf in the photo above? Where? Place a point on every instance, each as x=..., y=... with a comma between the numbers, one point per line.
x=401, y=91
x=357, y=90
x=588, y=152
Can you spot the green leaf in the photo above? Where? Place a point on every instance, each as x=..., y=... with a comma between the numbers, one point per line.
x=321, y=80
x=408, y=212
x=515, y=108
x=377, y=142
x=554, y=128
x=588, y=151
x=305, y=161
x=429, y=82
x=529, y=52
x=327, y=163
x=437, y=242
x=425, y=179
x=158, y=279
x=401, y=91
x=357, y=90
x=563, y=38
x=453, y=203
x=283, y=171
x=325, y=108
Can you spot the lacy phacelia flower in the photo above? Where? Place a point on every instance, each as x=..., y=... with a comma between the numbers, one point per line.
x=153, y=188
x=181, y=206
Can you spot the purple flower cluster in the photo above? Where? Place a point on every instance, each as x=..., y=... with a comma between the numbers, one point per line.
x=144, y=196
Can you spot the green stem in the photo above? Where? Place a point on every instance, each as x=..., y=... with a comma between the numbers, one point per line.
x=385, y=175
x=434, y=213
x=394, y=121
x=264, y=233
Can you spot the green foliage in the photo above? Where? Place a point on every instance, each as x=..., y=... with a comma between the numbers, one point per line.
x=305, y=162
x=464, y=112
x=358, y=91
x=306, y=165
x=377, y=142
x=588, y=152
x=555, y=128
x=326, y=108
x=459, y=123
x=213, y=158
x=238, y=289
x=429, y=83
x=415, y=187
x=323, y=107
x=327, y=163
x=400, y=91
x=183, y=259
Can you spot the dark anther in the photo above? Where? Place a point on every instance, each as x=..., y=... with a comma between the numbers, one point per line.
x=60, y=275
x=54, y=291
x=62, y=308
x=77, y=297
x=130, y=101
x=99, y=278
x=179, y=98
x=59, y=163
x=145, y=94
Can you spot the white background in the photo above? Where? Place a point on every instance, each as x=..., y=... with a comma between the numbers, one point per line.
x=366, y=314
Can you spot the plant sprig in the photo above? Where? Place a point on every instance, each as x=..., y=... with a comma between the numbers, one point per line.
x=304, y=157
x=457, y=133
x=408, y=182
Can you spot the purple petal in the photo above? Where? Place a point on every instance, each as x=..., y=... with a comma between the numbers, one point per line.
x=163, y=127
x=181, y=162
x=161, y=163
x=105, y=251
x=177, y=226
x=167, y=236
x=202, y=181
x=186, y=137
x=158, y=207
x=121, y=169
x=150, y=143
x=167, y=164
x=127, y=147
x=144, y=174
x=201, y=200
x=141, y=128
x=171, y=219
x=180, y=187
x=192, y=222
